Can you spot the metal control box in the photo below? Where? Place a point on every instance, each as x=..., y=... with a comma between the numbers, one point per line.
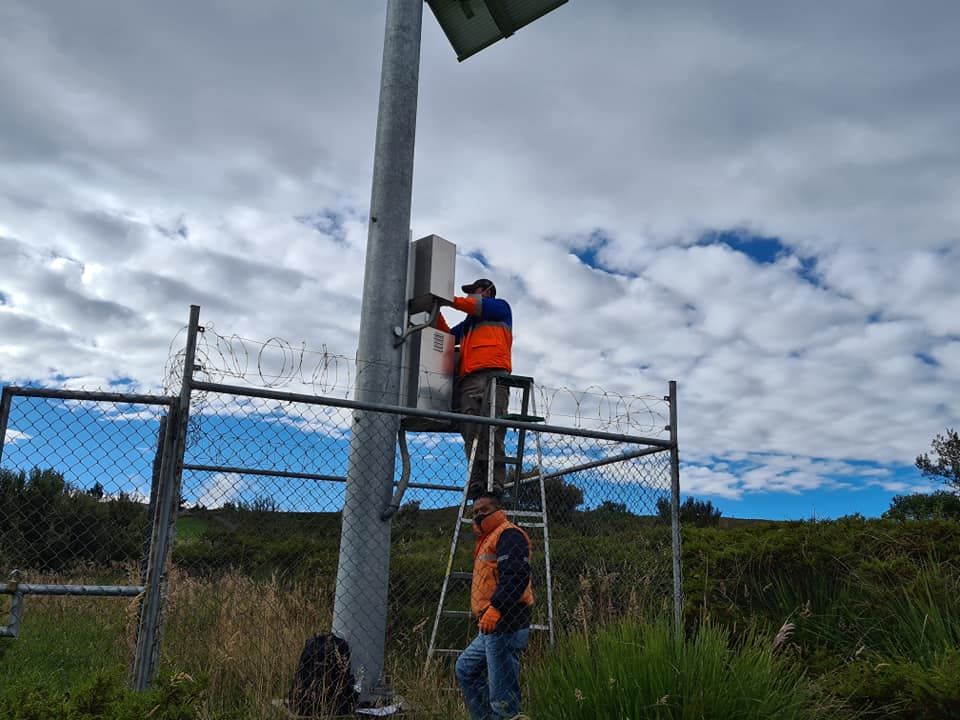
x=429, y=370
x=430, y=272
x=428, y=354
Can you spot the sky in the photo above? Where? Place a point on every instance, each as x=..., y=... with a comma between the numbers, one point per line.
x=759, y=201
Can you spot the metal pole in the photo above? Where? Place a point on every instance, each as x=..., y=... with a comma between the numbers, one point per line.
x=675, y=512
x=168, y=496
x=360, y=602
x=154, y=488
x=5, y=399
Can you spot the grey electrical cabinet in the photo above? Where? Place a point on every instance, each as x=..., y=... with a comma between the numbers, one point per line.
x=430, y=272
x=428, y=354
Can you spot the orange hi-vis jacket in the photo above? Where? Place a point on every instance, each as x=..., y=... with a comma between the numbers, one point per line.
x=489, y=586
x=485, y=337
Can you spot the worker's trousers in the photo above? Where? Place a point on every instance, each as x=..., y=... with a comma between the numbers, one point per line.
x=474, y=399
x=488, y=672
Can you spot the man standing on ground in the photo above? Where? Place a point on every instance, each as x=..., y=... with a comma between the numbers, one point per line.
x=501, y=597
x=486, y=340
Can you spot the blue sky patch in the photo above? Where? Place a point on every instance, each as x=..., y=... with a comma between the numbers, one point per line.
x=329, y=222
x=179, y=230
x=761, y=249
x=589, y=249
x=480, y=258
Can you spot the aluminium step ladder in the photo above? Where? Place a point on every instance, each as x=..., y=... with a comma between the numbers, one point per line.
x=525, y=506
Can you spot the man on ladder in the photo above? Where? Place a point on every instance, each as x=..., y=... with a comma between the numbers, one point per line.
x=485, y=338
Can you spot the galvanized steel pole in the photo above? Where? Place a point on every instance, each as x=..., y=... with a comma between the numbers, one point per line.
x=360, y=602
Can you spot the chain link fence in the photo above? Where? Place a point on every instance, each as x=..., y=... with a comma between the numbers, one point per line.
x=272, y=544
x=77, y=472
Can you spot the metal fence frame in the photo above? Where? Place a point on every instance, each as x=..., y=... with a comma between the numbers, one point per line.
x=146, y=654
x=166, y=485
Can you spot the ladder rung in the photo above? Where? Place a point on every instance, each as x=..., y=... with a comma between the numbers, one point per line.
x=447, y=651
x=530, y=524
x=525, y=513
x=507, y=459
x=532, y=627
x=515, y=380
x=461, y=576
x=466, y=614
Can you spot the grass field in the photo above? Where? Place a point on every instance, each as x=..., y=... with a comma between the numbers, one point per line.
x=865, y=617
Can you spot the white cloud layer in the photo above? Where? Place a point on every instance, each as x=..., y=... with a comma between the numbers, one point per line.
x=157, y=155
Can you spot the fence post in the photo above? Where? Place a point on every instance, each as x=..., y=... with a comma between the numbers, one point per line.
x=5, y=399
x=155, y=482
x=164, y=518
x=675, y=512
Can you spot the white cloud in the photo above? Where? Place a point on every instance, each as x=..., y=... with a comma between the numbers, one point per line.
x=15, y=435
x=218, y=489
x=157, y=157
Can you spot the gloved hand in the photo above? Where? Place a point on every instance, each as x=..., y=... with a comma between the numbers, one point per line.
x=489, y=619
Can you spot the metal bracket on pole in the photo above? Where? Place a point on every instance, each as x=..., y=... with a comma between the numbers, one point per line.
x=402, y=335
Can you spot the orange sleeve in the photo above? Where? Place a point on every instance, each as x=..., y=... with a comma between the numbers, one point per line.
x=472, y=305
x=442, y=323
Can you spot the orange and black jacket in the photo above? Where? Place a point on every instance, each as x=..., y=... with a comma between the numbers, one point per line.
x=501, y=573
x=485, y=337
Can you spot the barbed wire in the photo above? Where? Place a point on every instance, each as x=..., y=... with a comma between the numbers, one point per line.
x=277, y=363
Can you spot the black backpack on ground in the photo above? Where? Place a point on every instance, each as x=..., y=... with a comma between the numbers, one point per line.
x=323, y=684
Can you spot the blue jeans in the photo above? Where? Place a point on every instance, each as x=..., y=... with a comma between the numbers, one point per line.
x=489, y=674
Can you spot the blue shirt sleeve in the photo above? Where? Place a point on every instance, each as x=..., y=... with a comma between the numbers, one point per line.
x=496, y=310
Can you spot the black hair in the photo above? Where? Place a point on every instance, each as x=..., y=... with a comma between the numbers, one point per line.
x=491, y=495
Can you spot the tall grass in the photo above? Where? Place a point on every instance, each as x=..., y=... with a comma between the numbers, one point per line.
x=633, y=670
x=876, y=616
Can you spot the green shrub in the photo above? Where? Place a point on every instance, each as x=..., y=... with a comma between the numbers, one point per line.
x=901, y=689
x=52, y=525
x=104, y=697
x=939, y=505
x=700, y=513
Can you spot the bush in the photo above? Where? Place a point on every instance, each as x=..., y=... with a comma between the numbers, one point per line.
x=700, y=513
x=103, y=696
x=51, y=525
x=939, y=505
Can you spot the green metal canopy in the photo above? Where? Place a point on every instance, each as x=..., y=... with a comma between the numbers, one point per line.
x=472, y=25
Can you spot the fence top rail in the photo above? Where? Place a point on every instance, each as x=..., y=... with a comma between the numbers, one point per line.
x=93, y=395
x=433, y=414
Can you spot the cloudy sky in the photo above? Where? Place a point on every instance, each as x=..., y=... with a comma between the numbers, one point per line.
x=758, y=200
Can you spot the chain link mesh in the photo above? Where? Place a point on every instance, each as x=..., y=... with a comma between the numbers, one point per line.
x=75, y=484
x=260, y=522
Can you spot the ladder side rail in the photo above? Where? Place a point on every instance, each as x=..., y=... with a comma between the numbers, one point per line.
x=453, y=551
x=546, y=533
x=521, y=441
x=491, y=431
